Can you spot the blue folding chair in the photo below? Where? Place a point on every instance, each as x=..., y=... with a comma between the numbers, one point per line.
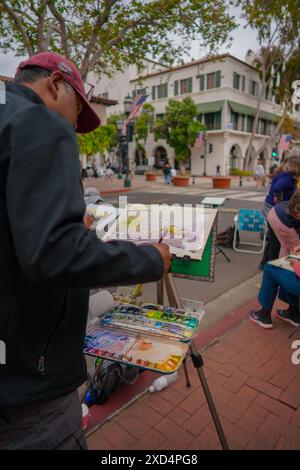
x=249, y=220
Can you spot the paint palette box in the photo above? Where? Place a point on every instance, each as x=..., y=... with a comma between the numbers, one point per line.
x=162, y=323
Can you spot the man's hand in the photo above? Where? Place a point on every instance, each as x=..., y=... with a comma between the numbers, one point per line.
x=88, y=220
x=165, y=253
x=297, y=250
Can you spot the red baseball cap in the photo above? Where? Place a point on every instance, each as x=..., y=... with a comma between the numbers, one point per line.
x=88, y=120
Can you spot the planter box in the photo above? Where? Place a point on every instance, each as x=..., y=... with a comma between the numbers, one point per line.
x=180, y=180
x=221, y=182
x=151, y=176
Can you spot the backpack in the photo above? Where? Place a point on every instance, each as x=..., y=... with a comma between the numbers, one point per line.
x=111, y=376
x=226, y=238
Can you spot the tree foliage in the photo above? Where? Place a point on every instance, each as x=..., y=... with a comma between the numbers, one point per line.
x=179, y=127
x=143, y=124
x=277, y=24
x=103, y=35
x=101, y=139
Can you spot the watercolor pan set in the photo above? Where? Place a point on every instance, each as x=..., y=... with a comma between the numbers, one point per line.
x=163, y=323
x=144, y=351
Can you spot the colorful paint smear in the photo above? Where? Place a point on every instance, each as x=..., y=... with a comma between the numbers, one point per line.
x=143, y=351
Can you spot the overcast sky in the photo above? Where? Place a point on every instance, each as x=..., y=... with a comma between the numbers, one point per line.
x=242, y=41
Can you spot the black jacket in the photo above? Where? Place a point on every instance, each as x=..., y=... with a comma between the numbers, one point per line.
x=48, y=260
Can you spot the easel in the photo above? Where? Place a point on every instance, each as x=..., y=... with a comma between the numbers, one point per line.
x=175, y=301
x=216, y=203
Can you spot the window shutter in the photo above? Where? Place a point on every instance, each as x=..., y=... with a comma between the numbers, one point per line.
x=250, y=87
x=190, y=85
x=218, y=79
x=243, y=83
x=153, y=92
x=202, y=82
x=166, y=90
x=218, y=116
x=176, y=87
x=234, y=79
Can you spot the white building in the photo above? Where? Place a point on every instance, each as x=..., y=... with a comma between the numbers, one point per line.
x=118, y=86
x=225, y=90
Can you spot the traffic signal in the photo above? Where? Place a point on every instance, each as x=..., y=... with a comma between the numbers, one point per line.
x=211, y=147
x=130, y=130
x=274, y=152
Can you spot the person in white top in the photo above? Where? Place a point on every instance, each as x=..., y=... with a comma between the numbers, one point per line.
x=259, y=176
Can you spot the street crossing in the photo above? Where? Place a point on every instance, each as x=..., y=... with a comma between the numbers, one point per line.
x=230, y=194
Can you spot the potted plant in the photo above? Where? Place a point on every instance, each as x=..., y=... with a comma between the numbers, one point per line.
x=179, y=127
x=221, y=182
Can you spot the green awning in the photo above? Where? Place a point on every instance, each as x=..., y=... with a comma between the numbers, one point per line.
x=210, y=107
x=249, y=111
x=268, y=116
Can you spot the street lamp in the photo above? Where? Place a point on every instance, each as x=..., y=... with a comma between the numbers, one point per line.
x=124, y=140
x=120, y=128
x=205, y=148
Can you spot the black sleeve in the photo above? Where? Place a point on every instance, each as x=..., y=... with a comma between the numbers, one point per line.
x=45, y=208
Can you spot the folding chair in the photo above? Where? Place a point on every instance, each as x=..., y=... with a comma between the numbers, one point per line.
x=249, y=220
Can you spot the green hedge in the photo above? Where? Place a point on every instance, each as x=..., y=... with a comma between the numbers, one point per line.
x=236, y=172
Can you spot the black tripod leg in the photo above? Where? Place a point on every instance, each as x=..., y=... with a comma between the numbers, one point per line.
x=294, y=331
x=224, y=254
x=187, y=379
x=198, y=364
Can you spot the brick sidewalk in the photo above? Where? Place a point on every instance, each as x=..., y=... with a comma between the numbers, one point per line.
x=256, y=389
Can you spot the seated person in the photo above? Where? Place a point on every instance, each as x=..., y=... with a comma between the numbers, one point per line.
x=283, y=186
x=284, y=220
x=288, y=284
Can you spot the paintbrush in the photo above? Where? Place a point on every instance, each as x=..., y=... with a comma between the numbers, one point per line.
x=137, y=291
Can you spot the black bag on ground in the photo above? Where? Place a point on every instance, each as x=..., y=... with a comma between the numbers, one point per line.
x=110, y=377
x=226, y=238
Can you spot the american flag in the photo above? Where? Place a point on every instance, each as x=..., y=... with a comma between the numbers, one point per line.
x=199, y=140
x=284, y=142
x=136, y=106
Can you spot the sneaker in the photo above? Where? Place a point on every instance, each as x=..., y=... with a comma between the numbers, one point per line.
x=262, y=318
x=289, y=317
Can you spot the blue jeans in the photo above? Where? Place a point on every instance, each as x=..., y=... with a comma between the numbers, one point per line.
x=275, y=279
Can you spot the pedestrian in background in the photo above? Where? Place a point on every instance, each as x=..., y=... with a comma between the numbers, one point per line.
x=259, y=176
x=132, y=169
x=167, y=172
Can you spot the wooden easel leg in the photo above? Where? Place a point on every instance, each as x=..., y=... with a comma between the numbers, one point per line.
x=174, y=299
x=160, y=291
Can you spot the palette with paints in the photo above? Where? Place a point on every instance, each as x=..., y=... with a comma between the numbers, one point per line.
x=143, y=351
x=165, y=323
